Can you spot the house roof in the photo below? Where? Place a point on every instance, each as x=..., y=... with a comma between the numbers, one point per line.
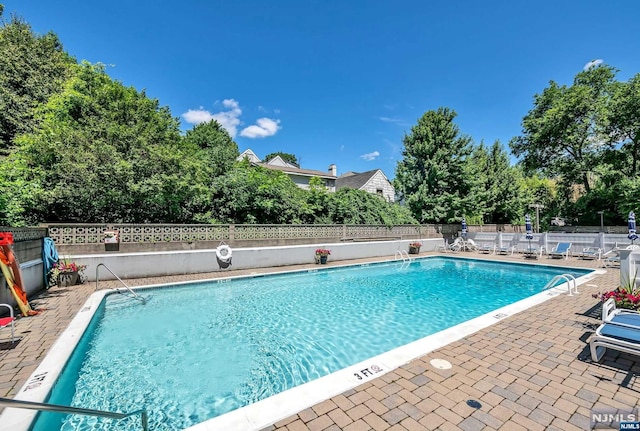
x=355, y=180
x=249, y=155
x=279, y=161
x=298, y=171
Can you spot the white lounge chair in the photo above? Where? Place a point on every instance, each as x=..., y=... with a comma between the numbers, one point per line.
x=534, y=252
x=561, y=250
x=470, y=245
x=618, y=315
x=455, y=246
x=487, y=248
x=591, y=253
x=505, y=249
x=620, y=331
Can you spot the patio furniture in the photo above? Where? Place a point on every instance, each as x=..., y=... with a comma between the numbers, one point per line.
x=487, y=248
x=8, y=321
x=533, y=253
x=620, y=331
x=591, y=253
x=506, y=249
x=561, y=250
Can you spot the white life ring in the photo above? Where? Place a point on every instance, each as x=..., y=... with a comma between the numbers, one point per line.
x=223, y=253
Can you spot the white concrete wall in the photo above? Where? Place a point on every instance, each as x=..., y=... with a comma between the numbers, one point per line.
x=154, y=264
x=32, y=277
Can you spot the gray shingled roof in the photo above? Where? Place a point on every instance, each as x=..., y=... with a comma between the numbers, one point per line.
x=354, y=180
x=305, y=172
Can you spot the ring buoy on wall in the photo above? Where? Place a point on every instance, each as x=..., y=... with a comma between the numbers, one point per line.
x=223, y=253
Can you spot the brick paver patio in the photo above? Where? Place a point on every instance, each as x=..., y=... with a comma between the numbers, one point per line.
x=529, y=371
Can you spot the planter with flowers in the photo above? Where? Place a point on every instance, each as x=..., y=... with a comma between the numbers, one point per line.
x=626, y=296
x=321, y=255
x=65, y=273
x=414, y=247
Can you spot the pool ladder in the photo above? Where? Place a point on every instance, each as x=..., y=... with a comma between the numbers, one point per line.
x=402, y=254
x=133, y=294
x=568, y=278
x=19, y=404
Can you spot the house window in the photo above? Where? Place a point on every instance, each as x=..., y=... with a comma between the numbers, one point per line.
x=379, y=192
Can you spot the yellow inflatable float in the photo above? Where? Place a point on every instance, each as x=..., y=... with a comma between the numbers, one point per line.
x=11, y=270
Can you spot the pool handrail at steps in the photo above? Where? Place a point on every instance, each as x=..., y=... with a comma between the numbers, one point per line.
x=30, y=405
x=568, y=278
x=134, y=294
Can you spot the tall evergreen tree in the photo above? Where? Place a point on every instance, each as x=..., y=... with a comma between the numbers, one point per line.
x=498, y=186
x=431, y=177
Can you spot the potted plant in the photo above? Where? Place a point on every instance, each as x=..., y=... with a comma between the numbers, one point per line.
x=414, y=247
x=626, y=296
x=321, y=255
x=65, y=273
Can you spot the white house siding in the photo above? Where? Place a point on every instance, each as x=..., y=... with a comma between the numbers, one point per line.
x=379, y=181
x=303, y=182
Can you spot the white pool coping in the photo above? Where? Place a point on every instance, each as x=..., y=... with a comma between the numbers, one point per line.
x=266, y=412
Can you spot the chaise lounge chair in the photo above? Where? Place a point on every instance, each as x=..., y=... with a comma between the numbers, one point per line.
x=470, y=245
x=561, y=250
x=455, y=246
x=506, y=249
x=591, y=253
x=487, y=248
x=620, y=331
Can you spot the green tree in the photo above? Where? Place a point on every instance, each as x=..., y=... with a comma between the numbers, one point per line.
x=350, y=206
x=544, y=191
x=289, y=158
x=32, y=68
x=217, y=147
x=102, y=152
x=623, y=125
x=431, y=177
x=250, y=194
x=562, y=134
x=498, y=188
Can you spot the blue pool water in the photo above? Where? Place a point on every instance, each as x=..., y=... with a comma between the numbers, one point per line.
x=196, y=351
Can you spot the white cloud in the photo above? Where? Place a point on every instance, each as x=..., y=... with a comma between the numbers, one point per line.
x=229, y=119
x=593, y=63
x=196, y=116
x=370, y=156
x=393, y=120
x=264, y=127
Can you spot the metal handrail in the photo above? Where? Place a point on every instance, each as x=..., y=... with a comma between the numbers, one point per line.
x=406, y=261
x=30, y=405
x=568, y=278
x=135, y=295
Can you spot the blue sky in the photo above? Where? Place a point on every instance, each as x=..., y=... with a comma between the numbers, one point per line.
x=342, y=81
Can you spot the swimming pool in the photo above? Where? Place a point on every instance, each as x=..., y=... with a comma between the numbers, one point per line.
x=277, y=331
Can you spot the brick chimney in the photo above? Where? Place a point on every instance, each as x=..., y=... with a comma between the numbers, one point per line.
x=333, y=170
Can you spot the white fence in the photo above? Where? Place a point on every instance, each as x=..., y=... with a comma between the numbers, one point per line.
x=549, y=240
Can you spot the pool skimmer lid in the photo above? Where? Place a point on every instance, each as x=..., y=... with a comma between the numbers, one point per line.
x=440, y=364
